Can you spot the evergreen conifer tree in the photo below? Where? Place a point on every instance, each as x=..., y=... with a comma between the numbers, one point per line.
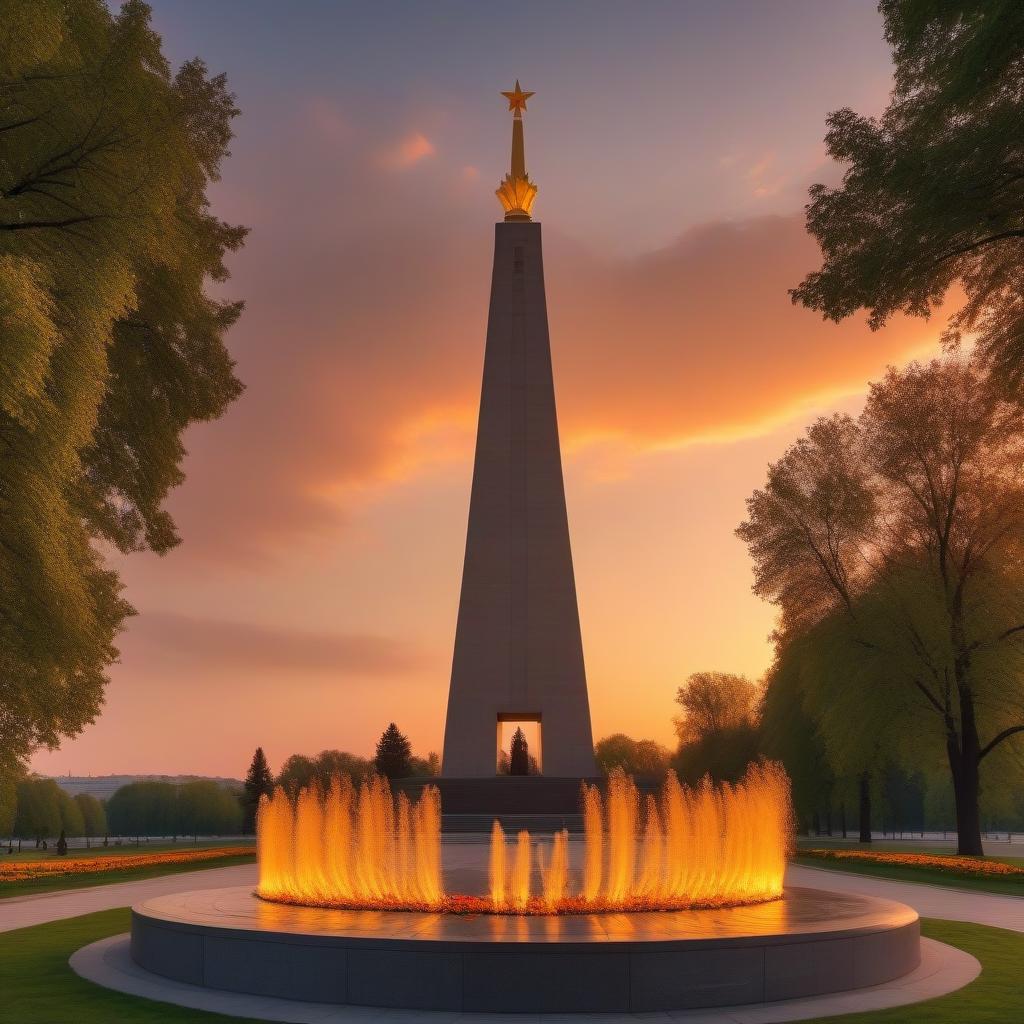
x=258, y=782
x=519, y=760
x=394, y=754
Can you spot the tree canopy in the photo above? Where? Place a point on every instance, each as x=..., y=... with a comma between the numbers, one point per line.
x=111, y=344
x=300, y=771
x=152, y=808
x=933, y=192
x=892, y=545
x=635, y=757
x=94, y=818
x=38, y=813
x=713, y=701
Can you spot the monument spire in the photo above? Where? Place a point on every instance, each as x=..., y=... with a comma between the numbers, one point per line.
x=517, y=193
x=518, y=654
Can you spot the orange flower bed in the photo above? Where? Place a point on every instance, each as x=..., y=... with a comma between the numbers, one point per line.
x=54, y=867
x=971, y=867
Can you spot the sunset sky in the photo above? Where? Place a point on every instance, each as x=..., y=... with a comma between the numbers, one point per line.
x=315, y=594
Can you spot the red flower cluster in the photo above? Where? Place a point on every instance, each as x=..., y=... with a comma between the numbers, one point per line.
x=55, y=867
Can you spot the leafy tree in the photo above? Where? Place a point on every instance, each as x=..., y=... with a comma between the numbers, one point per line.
x=111, y=346
x=145, y=808
x=635, y=757
x=894, y=544
x=713, y=701
x=429, y=765
x=8, y=804
x=38, y=809
x=933, y=194
x=72, y=822
x=393, y=758
x=258, y=782
x=94, y=818
x=299, y=771
x=208, y=808
x=724, y=754
x=790, y=733
x=519, y=754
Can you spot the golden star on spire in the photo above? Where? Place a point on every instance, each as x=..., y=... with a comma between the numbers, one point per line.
x=517, y=98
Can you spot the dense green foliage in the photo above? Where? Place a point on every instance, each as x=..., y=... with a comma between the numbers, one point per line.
x=893, y=546
x=201, y=807
x=635, y=757
x=94, y=817
x=933, y=194
x=109, y=345
x=713, y=701
x=38, y=814
x=724, y=755
x=300, y=771
x=259, y=781
x=717, y=727
x=393, y=758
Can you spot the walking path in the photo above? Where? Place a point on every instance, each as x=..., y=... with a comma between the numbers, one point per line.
x=927, y=900
x=22, y=911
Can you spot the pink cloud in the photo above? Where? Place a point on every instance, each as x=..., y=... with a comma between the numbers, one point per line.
x=407, y=152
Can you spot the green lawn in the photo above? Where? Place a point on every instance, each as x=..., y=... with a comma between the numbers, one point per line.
x=906, y=873
x=32, y=886
x=38, y=987
x=996, y=997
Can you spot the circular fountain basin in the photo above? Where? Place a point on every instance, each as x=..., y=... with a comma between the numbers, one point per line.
x=808, y=943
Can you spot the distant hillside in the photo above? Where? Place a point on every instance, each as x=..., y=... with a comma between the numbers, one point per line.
x=104, y=786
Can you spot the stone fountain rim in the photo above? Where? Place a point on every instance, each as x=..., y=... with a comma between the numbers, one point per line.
x=304, y=925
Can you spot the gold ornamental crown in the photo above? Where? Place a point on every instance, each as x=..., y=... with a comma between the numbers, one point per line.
x=517, y=193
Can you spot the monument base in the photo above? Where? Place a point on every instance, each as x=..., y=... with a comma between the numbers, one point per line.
x=503, y=794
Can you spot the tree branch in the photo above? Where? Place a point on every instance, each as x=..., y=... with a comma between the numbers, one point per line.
x=971, y=246
x=29, y=225
x=932, y=699
x=1005, y=734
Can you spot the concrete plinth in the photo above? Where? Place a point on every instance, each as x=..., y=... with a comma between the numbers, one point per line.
x=808, y=943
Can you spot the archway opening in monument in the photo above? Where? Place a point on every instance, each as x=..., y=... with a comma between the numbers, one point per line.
x=519, y=746
x=355, y=846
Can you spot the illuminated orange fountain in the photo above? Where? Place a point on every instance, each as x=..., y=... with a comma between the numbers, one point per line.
x=710, y=846
x=351, y=847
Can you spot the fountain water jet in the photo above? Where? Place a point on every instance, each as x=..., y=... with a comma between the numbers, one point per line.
x=689, y=848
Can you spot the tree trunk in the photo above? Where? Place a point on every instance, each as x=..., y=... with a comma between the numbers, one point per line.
x=964, y=763
x=842, y=816
x=864, y=784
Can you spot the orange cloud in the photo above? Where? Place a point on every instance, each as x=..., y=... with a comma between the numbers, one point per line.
x=407, y=152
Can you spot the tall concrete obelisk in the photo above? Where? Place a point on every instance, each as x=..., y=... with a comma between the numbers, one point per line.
x=518, y=651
